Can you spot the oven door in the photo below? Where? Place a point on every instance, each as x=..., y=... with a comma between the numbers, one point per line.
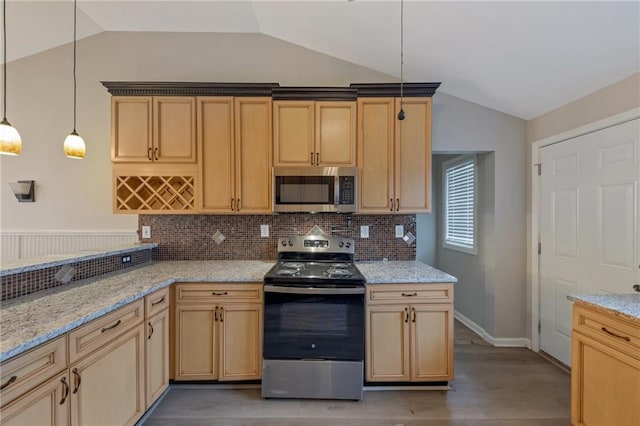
x=313, y=323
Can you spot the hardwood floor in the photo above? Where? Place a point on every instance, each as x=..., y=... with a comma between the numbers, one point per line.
x=492, y=387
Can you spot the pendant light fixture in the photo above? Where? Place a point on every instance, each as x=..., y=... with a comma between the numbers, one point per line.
x=10, y=142
x=401, y=114
x=74, y=145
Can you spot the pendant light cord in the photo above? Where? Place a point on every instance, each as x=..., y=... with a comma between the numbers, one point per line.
x=4, y=56
x=401, y=48
x=75, y=8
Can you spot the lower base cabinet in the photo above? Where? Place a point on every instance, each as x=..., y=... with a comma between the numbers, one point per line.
x=44, y=405
x=157, y=356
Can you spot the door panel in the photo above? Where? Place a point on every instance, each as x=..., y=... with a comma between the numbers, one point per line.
x=432, y=342
x=588, y=225
x=388, y=343
x=240, y=342
x=336, y=133
x=196, y=347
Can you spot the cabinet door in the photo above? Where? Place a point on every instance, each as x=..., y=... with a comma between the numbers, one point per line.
x=431, y=342
x=605, y=384
x=387, y=343
x=335, y=133
x=413, y=156
x=240, y=341
x=216, y=153
x=253, y=155
x=174, y=135
x=196, y=342
x=157, y=356
x=131, y=129
x=108, y=385
x=293, y=133
x=41, y=406
x=375, y=154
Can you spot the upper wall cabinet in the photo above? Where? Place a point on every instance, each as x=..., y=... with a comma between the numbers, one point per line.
x=314, y=133
x=394, y=157
x=153, y=129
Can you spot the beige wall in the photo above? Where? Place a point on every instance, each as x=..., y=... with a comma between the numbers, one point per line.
x=76, y=194
x=614, y=99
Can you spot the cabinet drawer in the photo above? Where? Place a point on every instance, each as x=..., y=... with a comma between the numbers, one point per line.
x=409, y=293
x=26, y=371
x=156, y=302
x=89, y=337
x=616, y=333
x=217, y=293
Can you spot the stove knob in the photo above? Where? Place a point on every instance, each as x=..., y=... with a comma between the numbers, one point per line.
x=341, y=244
x=348, y=244
x=290, y=243
x=284, y=243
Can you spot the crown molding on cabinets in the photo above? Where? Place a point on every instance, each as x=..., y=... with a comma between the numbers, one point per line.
x=174, y=88
x=393, y=89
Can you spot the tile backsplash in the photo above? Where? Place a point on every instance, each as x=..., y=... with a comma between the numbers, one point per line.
x=193, y=237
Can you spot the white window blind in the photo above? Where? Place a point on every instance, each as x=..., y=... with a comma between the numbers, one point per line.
x=460, y=203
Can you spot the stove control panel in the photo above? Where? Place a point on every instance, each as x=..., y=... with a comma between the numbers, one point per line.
x=317, y=244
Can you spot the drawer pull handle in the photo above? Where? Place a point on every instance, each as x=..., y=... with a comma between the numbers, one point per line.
x=157, y=302
x=224, y=293
x=66, y=390
x=11, y=380
x=628, y=339
x=78, y=380
x=150, y=331
x=409, y=294
x=111, y=327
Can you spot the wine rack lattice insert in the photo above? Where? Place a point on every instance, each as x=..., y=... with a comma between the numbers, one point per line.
x=154, y=193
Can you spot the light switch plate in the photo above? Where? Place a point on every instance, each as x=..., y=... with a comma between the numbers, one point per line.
x=399, y=231
x=264, y=230
x=146, y=232
x=364, y=231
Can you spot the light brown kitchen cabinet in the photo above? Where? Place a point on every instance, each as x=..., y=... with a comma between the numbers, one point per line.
x=47, y=404
x=157, y=129
x=156, y=345
x=409, y=332
x=234, y=146
x=605, y=373
x=314, y=133
x=218, y=332
x=394, y=157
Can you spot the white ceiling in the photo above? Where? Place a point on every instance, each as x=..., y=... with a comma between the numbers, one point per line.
x=521, y=58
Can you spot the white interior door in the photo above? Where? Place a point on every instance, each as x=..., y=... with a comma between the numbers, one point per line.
x=588, y=225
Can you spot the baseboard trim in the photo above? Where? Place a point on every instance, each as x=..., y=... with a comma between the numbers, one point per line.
x=499, y=342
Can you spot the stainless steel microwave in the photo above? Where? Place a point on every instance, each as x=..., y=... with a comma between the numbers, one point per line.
x=315, y=189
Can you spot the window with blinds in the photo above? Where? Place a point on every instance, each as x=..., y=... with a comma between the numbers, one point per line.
x=459, y=179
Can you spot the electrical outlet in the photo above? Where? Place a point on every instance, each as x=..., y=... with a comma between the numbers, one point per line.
x=264, y=230
x=146, y=232
x=364, y=231
x=399, y=231
x=126, y=259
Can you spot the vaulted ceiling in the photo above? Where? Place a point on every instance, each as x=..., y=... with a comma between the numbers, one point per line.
x=521, y=58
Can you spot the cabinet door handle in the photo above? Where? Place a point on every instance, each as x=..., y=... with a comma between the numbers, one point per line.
x=232, y=200
x=413, y=317
x=238, y=204
x=628, y=339
x=111, y=326
x=215, y=314
x=409, y=294
x=397, y=204
x=149, y=154
x=157, y=302
x=66, y=390
x=406, y=314
x=224, y=293
x=155, y=153
x=391, y=202
x=150, y=331
x=78, y=380
x=221, y=314
x=317, y=158
x=311, y=158
x=11, y=380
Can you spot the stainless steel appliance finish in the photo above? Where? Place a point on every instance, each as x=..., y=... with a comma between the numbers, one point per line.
x=312, y=379
x=314, y=321
x=315, y=189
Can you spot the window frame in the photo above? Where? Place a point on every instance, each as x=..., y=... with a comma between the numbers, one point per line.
x=446, y=165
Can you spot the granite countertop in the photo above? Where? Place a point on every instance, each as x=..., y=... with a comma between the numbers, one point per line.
x=36, y=318
x=622, y=305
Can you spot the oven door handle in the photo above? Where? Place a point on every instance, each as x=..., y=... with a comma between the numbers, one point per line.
x=312, y=290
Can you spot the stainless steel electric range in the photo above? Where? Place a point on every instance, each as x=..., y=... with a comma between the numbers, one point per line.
x=314, y=321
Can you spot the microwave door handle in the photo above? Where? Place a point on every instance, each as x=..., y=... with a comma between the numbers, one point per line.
x=313, y=290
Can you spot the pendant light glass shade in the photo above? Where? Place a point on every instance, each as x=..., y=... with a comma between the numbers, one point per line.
x=74, y=146
x=10, y=142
